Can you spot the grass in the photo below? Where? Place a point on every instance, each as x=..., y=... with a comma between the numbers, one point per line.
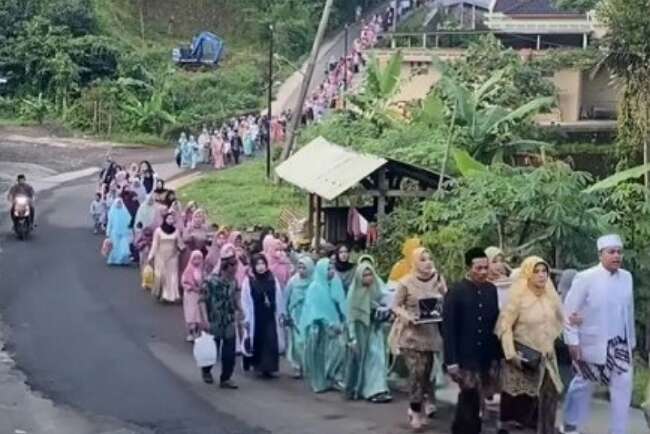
x=242, y=197
x=138, y=139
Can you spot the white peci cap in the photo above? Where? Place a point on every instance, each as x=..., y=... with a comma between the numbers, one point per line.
x=608, y=241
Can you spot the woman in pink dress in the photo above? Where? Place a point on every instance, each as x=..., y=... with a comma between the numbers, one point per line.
x=196, y=317
x=217, y=151
x=195, y=237
x=279, y=262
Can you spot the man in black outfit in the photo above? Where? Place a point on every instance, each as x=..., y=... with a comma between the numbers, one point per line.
x=472, y=350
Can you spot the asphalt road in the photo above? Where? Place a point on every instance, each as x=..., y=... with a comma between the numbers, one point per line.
x=88, y=337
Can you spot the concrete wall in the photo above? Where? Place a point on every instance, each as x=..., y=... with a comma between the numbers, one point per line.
x=569, y=89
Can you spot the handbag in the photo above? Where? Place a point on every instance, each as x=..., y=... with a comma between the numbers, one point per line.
x=530, y=358
x=148, y=277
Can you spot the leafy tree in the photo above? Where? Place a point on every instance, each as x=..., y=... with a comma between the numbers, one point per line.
x=520, y=81
x=628, y=57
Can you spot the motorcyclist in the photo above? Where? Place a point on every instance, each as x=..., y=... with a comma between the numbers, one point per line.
x=22, y=188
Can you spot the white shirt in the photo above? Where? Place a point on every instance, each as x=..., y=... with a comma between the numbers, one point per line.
x=615, y=284
x=605, y=302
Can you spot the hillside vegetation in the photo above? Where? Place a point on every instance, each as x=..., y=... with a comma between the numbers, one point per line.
x=104, y=66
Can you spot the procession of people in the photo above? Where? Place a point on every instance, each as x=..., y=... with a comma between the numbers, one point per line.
x=343, y=328
x=244, y=136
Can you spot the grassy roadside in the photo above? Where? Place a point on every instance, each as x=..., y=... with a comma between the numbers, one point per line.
x=241, y=197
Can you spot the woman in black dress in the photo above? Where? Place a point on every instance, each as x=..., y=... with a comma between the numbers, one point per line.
x=264, y=309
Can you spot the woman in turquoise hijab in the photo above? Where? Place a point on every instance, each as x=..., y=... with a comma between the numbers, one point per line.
x=323, y=325
x=366, y=370
x=119, y=232
x=295, y=294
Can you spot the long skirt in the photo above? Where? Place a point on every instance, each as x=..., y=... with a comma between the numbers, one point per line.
x=266, y=357
x=324, y=356
x=533, y=412
x=166, y=286
x=121, y=252
x=296, y=344
x=194, y=312
x=366, y=370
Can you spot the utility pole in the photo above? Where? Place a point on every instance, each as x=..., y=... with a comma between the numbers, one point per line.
x=345, y=61
x=269, y=114
x=304, y=89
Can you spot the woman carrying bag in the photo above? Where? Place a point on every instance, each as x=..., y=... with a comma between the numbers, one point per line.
x=528, y=326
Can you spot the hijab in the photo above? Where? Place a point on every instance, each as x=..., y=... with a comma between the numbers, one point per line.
x=343, y=266
x=279, y=262
x=361, y=298
x=325, y=300
x=119, y=219
x=403, y=266
x=166, y=227
x=417, y=278
x=263, y=282
x=297, y=281
x=193, y=274
x=147, y=212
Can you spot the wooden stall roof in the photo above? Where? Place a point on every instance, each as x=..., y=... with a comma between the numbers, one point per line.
x=326, y=169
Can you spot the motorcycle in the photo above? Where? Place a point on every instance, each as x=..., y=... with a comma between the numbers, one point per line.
x=22, y=217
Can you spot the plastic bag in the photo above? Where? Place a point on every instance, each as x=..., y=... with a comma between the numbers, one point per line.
x=147, y=277
x=205, y=350
x=107, y=246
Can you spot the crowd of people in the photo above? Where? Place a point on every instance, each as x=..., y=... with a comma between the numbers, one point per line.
x=342, y=327
x=243, y=136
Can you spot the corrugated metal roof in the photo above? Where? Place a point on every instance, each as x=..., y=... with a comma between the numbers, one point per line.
x=326, y=169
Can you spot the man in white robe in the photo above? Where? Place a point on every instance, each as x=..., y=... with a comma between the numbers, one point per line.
x=602, y=340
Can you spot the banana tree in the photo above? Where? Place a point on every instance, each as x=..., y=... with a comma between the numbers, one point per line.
x=381, y=85
x=481, y=123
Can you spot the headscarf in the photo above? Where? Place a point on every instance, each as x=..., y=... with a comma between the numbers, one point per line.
x=139, y=190
x=193, y=274
x=341, y=266
x=166, y=227
x=263, y=282
x=521, y=286
x=360, y=298
x=297, y=281
x=325, y=300
x=198, y=219
x=367, y=258
x=232, y=238
x=119, y=220
x=403, y=266
x=279, y=262
x=269, y=245
x=147, y=212
x=492, y=252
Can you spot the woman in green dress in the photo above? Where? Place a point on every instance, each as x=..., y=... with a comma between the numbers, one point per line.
x=295, y=294
x=323, y=326
x=366, y=371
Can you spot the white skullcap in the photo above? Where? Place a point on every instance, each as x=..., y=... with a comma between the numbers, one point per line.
x=607, y=241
